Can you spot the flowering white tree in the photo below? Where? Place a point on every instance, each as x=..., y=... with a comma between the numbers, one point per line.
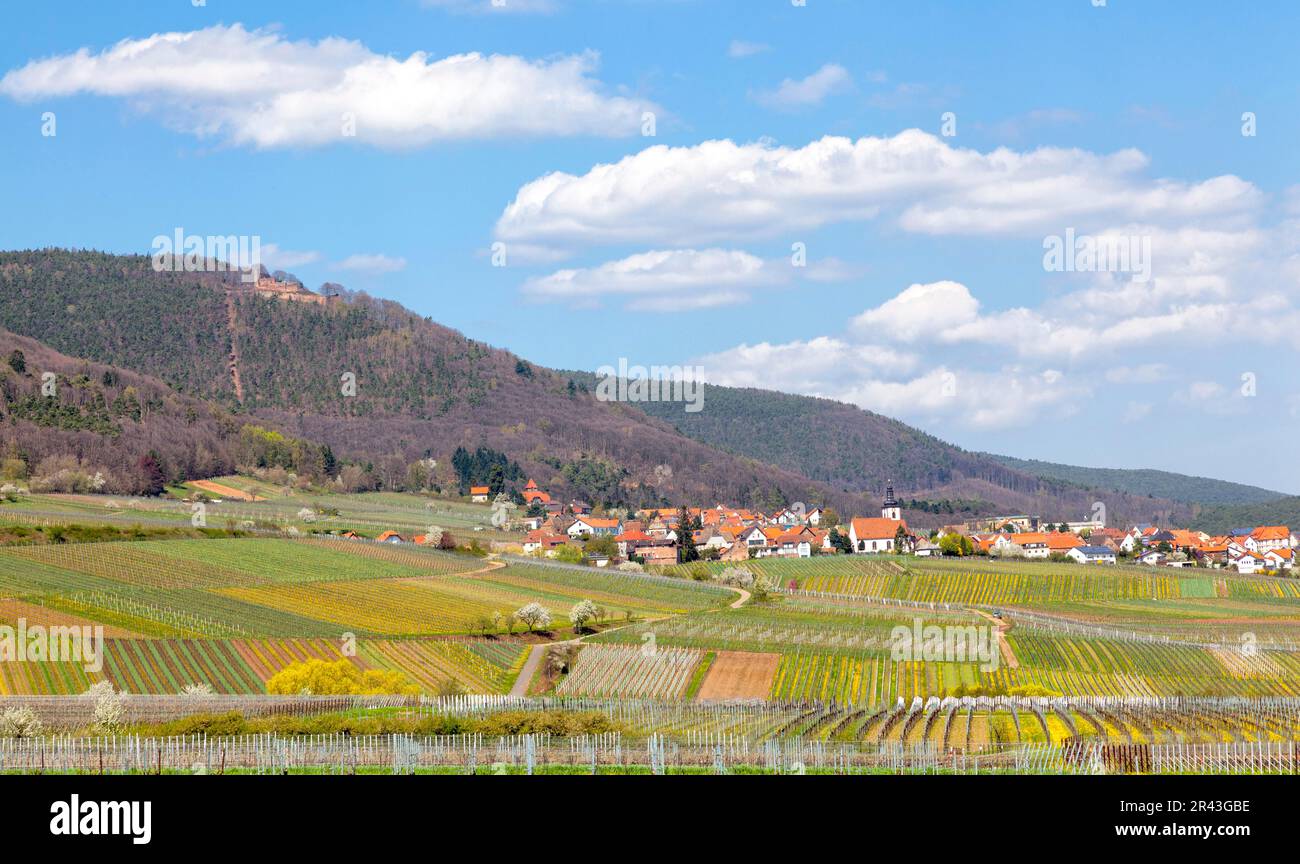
x=738, y=576
x=762, y=586
x=20, y=723
x=195, y=691
x=534, y=615
x=581, y=613
x=110, y=707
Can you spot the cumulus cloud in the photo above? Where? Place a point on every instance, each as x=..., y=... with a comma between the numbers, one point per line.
x=889, y=381
x=670, y=280
x=663, y=280
x=817, y=367
x=256, y=88
x=918, y=310
x=721, y=191
x=812, y=90
x=286, y=259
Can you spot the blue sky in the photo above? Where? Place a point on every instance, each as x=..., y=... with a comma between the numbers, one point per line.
x=925, y=295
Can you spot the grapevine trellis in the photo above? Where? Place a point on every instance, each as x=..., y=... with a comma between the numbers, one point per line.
x=613, y=753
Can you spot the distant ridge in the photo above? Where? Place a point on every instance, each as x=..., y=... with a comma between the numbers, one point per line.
x=1185, y=488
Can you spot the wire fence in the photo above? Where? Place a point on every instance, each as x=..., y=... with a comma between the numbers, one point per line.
x=613, y=753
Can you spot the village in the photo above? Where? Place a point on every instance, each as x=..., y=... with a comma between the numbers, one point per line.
x=579, y=533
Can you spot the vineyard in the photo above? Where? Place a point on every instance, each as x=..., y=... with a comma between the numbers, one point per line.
x=230, y=613
x=632, y=672
x=1130, y=656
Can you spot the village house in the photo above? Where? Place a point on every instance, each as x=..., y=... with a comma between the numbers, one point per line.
x=544, y=540
x=1092, y=554
x=656, y=551
x=592, y=526
x=629, y=538
x=1152, y=557
x=1267, y=537
x=479, y=494
x=794, y=545
x=532, y=494
x=1279, y=559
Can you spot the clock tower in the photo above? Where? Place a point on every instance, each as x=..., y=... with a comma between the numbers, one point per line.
x=891, y=509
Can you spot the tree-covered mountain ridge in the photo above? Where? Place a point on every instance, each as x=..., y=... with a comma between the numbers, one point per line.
x=377, y=383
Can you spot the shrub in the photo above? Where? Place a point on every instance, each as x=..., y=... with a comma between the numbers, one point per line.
x=339, y=678
x=20, y=723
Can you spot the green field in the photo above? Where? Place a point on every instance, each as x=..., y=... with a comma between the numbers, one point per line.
x=230, y=612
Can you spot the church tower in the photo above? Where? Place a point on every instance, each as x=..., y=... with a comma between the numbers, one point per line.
x=891, y=510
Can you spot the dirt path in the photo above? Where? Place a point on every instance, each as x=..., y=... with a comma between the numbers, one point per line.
x=234, y=347
x=530, y=669
x=486, y=568
x=225, y=491
x=538, y=652
x=1008, y=655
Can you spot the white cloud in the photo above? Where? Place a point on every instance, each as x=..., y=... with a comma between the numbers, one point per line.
x=721, y=191
x=740, y=49
x=885, y=380
x=816, y=367
x=276, y=258
x=367, y=263
x=259, y=89
x=918, y=310
x=669, y=280
x=813, y=90
x=663, y=280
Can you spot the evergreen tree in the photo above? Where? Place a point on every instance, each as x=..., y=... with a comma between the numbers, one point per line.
x=686, y=550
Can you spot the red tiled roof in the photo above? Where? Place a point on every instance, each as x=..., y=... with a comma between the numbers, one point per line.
x=865, y=528
x=1271, y=532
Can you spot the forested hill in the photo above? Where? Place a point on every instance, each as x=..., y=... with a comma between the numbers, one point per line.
x=374, y=382
x=385, y=387
x=73, y=425
x=859, y=450
x=1157, y=484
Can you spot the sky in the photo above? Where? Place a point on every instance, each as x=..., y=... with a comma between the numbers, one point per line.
x=889, y=204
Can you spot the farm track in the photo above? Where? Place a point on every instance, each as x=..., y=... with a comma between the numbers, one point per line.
x=520, y=687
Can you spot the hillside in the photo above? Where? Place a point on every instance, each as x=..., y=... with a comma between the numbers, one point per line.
x=1184, y=488
x=1220, y=519
x=859, y=450
x=421, y=390
x=66, y=420
x=374, y=383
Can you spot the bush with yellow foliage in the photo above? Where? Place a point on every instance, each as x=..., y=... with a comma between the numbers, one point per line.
x=338, y=678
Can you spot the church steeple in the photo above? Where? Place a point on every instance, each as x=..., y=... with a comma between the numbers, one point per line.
x=891, y=508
